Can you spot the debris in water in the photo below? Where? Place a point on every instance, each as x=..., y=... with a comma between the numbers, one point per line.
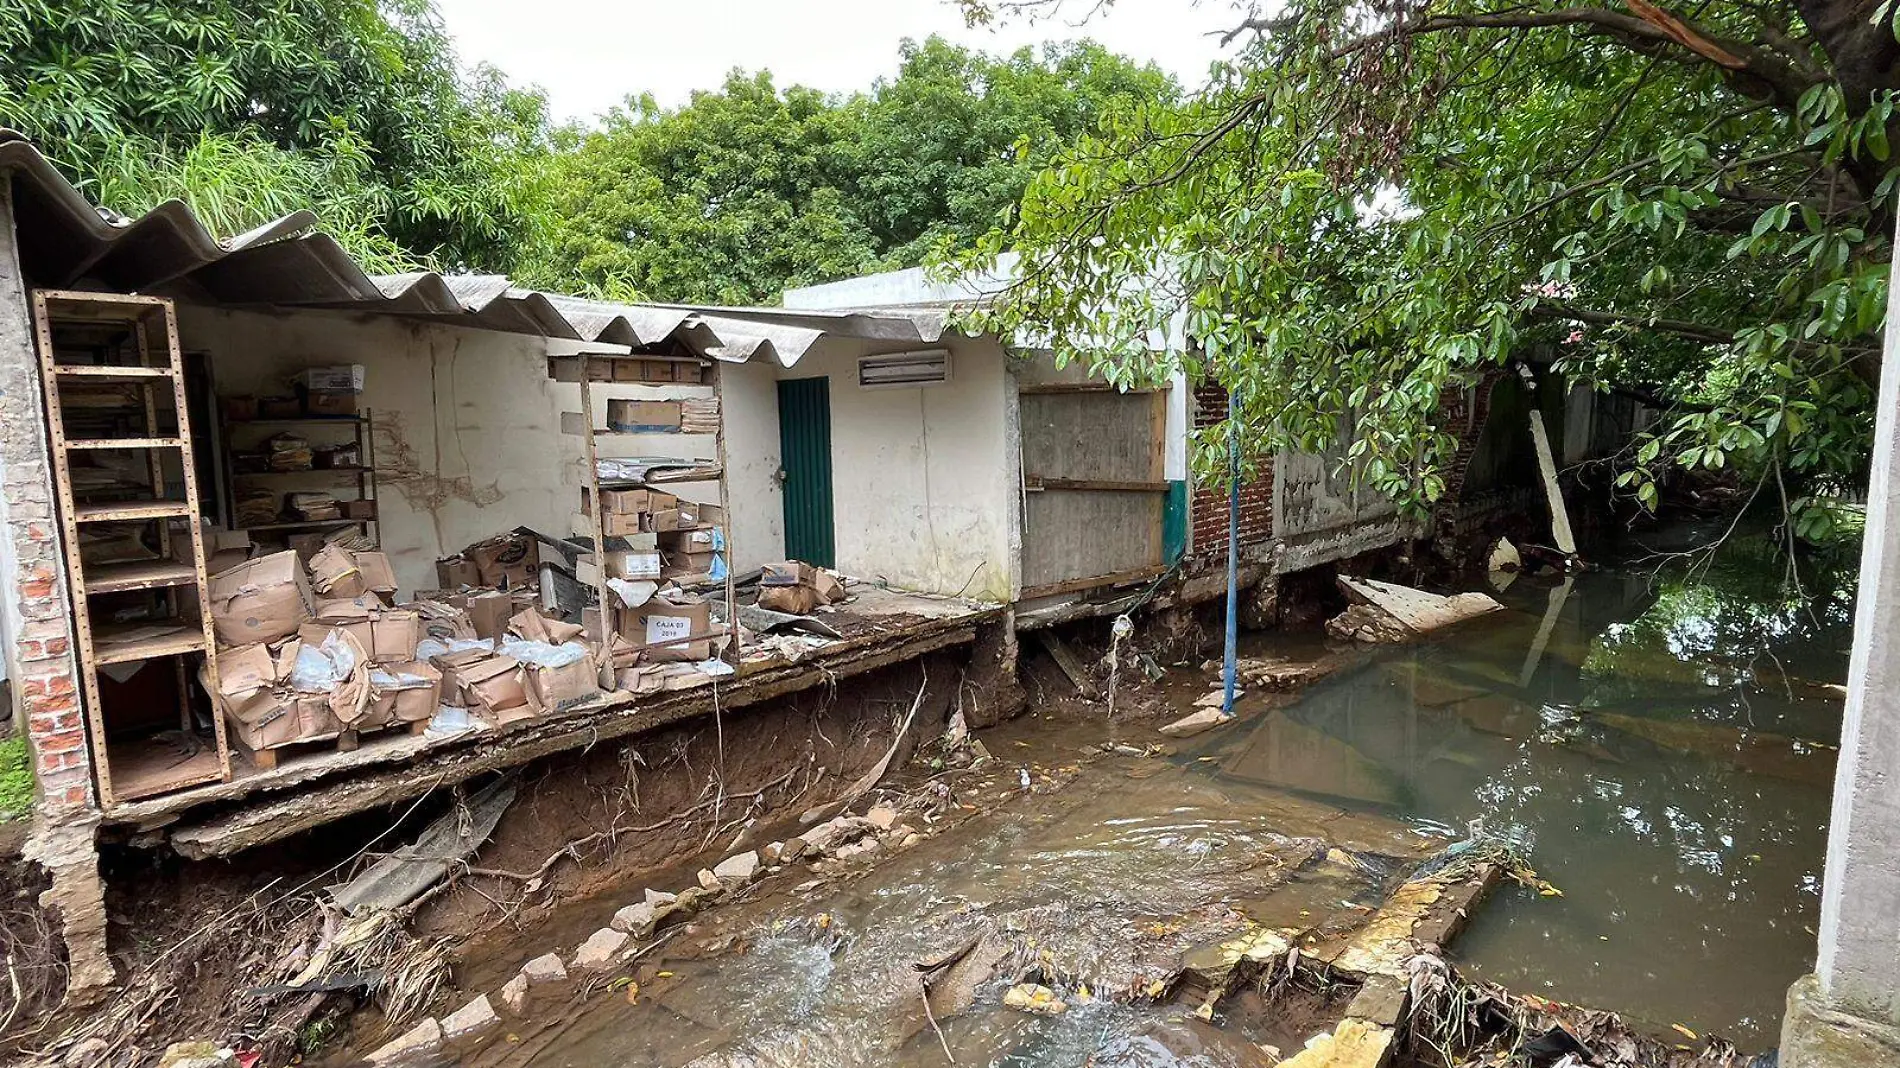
x=1194, y=723
x=1030, y=997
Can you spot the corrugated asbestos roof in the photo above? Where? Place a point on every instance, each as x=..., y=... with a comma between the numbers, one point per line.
x=67, y=242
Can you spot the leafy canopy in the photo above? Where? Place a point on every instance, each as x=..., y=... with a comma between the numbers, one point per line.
x=1375, y=201
x=249, y=110
x=751, y=189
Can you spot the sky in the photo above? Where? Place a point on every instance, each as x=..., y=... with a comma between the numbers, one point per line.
x=589, y=55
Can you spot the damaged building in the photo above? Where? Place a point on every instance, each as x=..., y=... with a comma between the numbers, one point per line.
x=287, y=542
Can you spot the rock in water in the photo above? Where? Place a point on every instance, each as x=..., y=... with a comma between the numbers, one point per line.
x=1195, y=722
x=1029, y=997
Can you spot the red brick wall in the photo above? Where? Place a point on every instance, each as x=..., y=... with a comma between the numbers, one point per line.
x=1207, y=508
x=1464, y=412
x=32, y=570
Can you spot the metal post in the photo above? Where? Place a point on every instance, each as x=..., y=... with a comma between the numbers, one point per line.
x=1233, y=552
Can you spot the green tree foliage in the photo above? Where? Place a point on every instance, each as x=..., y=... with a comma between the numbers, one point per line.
x=247, y=110
x=750, y=189
x=1379, y=200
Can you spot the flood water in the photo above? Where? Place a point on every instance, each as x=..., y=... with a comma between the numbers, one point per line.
x=1660, y=747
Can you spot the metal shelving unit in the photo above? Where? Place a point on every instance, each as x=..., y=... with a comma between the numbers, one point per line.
x=361, y=475
x=175, y=614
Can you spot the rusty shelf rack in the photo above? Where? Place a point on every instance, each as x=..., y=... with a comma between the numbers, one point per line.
x=174, y=581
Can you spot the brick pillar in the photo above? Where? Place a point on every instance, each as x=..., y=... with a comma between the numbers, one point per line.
x=37, y=625
x=1207, y=507
x=38, y=641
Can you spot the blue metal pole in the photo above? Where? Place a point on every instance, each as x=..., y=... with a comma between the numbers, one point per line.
x=1233, y=552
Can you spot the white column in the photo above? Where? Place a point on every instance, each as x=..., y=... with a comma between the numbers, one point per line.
x=1859, y=964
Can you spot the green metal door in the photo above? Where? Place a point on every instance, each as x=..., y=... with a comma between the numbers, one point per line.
x=804, y=441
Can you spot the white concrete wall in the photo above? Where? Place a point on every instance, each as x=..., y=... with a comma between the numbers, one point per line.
x=468, y=439
x=923, y=479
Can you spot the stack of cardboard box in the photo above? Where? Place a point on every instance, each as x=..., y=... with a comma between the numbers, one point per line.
x=304, y=655
x=665, y=537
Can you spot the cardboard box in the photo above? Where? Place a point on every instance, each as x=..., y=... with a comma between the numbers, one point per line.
x=454, y=572
x=532, y=626
x=240, y=409
x=509, y=559
x=443, y=622
x=304, y=545
x=495, y=687
x=279, y=407
x=681, y=563
x=394, y=633
x=612, y=525
x=696, y=540
x=643, y=416
x=378, y=575
x=357, y=509
x=551, y=688
x=325, y=404
x=405, y=692
x=787, y=573
x=348, y=615
x=489, y=613
x=333, y=572
x=260, y=600
x=670, y=519
x=621, y=563
x=658, y=628
x=798, y=600
x=340, y=378
x=628, y=500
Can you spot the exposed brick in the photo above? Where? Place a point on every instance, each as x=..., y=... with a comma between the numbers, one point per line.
x=76, y=795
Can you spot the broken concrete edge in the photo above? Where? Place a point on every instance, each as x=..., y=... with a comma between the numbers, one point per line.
x=67, y=848
x=303, y=797
x=1817, y=1034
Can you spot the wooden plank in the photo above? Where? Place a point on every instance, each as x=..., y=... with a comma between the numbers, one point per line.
x=120, y=643
x=155, y=769
x=1121, y=578
x=1059, y=388
x=69, y=528
x=596, y=520
x=1100, y=436
x=124, y=443
x=613, y=716
x=124, y=511
x=138, y=575
x=1037, y=483
x=1078, y=535
x=1065, y=659
x=74, y=370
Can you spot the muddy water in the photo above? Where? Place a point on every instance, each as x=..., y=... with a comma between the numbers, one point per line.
x=1658, y=745
x=1662, y=748
x=1105, y=874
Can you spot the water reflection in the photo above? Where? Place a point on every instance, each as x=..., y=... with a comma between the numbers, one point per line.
x=1661, y=743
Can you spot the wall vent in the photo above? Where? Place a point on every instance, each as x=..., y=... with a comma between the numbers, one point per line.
x=925, y=367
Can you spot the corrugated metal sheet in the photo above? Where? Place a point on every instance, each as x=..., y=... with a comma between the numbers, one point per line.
x=67, y=242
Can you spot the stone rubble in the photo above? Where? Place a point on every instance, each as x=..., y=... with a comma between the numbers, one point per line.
x=546, y=980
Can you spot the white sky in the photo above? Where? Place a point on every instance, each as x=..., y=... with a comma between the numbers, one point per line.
x=589, y=55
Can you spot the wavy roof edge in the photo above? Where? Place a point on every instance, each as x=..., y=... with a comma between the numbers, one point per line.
x=66, y=241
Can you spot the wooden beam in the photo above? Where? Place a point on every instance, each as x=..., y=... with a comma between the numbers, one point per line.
x=285, y=816
x=1119, y=578
x=1083, y=387
x=1065, y=659
x=1037, y=484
